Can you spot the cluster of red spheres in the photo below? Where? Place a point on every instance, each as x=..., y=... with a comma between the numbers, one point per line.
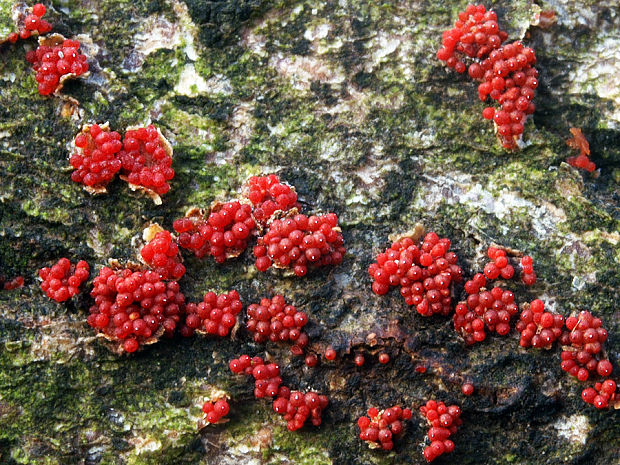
x=215, y=410
x=131, y=307
x=579, y=142
x=528, y=275
x=484, y=309
x=301, y=242
x=583, y=344
x=162, y=254
x=295, y=406
x=444, y=422
x=95, y=160
x=425, y=272
x=381, y=427
x=499, y=266
x=62, y=280
x=274, y=320
x=268, y=195
x=215, y=315
x=9, y=285
x=146, y=159
x=601, y=395
x=506, y=72
x=33, y=23
x=55, y=63
x=539, y=329
x=223, y=234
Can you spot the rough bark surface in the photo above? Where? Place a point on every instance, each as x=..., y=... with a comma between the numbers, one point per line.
x=346, y=101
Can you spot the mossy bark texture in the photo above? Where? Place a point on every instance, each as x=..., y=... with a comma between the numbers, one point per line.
x=345, y=100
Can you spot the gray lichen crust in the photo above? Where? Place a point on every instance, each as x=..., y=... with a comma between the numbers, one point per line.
x=346, y=101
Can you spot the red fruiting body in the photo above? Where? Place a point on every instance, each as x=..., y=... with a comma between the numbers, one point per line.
x=162, y=255
x=32, y=23
x=359, y=360
x=583, y=347
x=384, y=358
x=506, y=72
x=381, y=428
x=146, y=159
x=14, y=283
x=215, y=410
x=55, y=63
x=492, y=309
x=274, y=320
x=424, y=272
x=500, y=266
x=330, y=354
x=602, y=394
x=301, y=242
x=269, y=195
x=62, y=281
x=267, y=378
x=133, y=307
x=215, y=315
x=528, y=275
x=579, y=142
x=539, y=329
x=311, y=360
x=444, y=422
x=223, y=234
x=297, y=407
x=467, y=389
x=96, y=159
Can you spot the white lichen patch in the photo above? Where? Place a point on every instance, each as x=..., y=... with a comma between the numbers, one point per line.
x=574, y=428
x=240, y=130
x=600, y=75
x=301, y=71
x=190, y=82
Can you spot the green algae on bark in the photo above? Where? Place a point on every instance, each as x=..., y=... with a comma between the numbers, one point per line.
x=346, y=101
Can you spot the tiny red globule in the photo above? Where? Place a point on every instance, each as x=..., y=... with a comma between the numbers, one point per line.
x=161, y=253
x=95, y=159
x=214, y=411
x=382, y=427
x=63, y=280
x=56, y=62
x=444, y=421
x=215, y=315
x=424, y=271
x=583, y=347
x=528, y=275
x=301, y=242
x=268, y=195
x=224, y=233
x=134, y=307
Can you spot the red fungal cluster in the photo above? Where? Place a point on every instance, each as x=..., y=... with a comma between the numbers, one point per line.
x=300, y=242
x=161, y=253
x=601, y=395
x=215, y=410
x=55, y=61
x=134, y=307
x=96, y=159
x=528, y=275
x=11, y=284
x=274, y=320
x=381, y=427
x=506, y=72
x=62, y=281
x=295, y=406
x=583, y=347
x=224, y=234
x=215, y=315
x=539, y=329
x=424, y=272
x=499, y=266
x=491, y=309
x=146, y=159
x=444, y=422
x=268, y=195
x=32, y=23
x=579, y=142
